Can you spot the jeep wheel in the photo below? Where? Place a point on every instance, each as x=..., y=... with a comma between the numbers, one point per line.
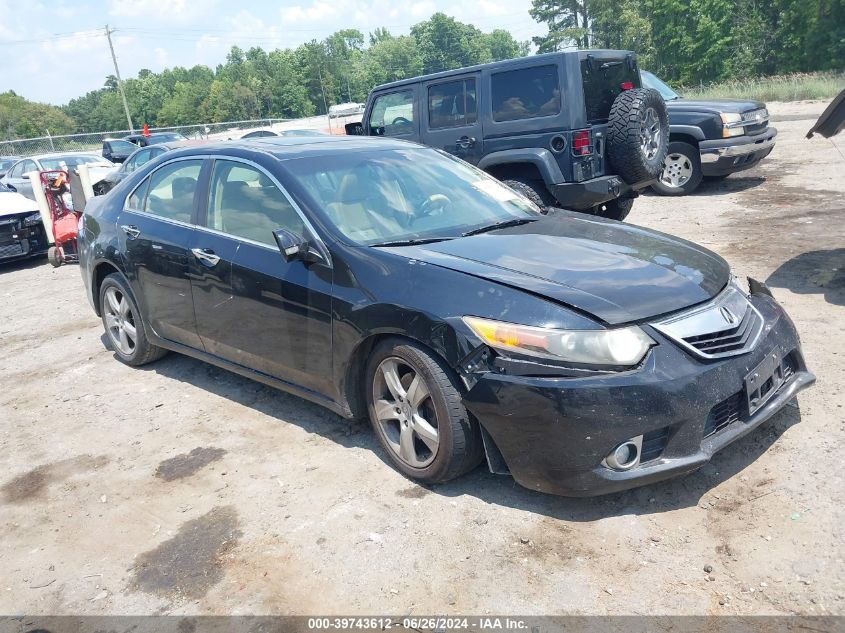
x=638, y=135
x=681, y=171
x=535, y=191
x=617, y=209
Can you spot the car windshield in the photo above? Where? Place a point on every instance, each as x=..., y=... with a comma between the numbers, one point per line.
x=122, y=146
x=651, y=81
x=72, y=160
x=406, y=195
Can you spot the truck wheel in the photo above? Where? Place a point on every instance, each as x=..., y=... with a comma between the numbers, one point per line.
x=415, y=407
x=53, y=257
x=535, y=191
x=617, y=209
x=638, y=135
x=681, y=171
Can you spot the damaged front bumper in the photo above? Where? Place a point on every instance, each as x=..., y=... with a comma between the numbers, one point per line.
x=18, y=240
x=554, y=433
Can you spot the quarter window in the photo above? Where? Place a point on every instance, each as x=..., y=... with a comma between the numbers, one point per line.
x=393, y=114
x=245, y=203
x=452, y=104
x=16, y=171
x=526, y=93
x=172, y=189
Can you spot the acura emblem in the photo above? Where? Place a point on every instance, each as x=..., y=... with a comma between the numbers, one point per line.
x=727, y=315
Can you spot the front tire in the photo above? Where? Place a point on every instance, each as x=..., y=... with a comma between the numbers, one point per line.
x=416, y=412
x=681, y=173
x=124, y=324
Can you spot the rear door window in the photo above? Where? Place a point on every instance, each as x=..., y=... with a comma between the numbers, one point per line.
x=526, y=93
x=604, y=78
x=172, y=190
x=452, y=104
x=393, y=114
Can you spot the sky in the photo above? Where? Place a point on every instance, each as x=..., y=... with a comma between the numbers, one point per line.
x=53, y=52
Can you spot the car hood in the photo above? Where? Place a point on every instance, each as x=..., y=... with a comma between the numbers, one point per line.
x=832, y=120
x=12, y=203
x=616, y=272
x=715, y=105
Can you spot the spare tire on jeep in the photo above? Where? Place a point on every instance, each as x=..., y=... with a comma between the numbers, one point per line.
x=638, y=135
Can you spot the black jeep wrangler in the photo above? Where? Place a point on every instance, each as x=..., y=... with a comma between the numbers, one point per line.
x=572, y=129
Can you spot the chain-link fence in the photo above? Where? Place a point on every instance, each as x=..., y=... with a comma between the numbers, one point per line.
x=93, y=141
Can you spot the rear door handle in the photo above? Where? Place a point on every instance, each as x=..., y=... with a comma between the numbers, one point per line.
x=206, y=256
x=131, y=231
x=465, y=142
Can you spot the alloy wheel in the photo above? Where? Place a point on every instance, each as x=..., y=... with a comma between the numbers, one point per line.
x=677, y=170
x=120, y=321
x=405, y=412
x=650, y=134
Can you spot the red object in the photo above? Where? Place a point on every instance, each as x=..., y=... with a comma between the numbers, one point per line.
x=627, y=85
x=64, y=220
x=581, y=143
x=146, y=130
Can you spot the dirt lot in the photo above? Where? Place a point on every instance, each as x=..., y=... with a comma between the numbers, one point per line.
x=180, y=488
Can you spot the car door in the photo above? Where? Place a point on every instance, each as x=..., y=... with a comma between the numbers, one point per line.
x=450, y=118
x=254, y=308
x=157, y=229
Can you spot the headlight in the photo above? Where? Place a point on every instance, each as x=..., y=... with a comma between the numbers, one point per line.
x=732, y=124
x=32, y=220
x=620, y=347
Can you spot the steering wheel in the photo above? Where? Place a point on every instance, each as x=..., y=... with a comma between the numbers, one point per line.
x=434, y=202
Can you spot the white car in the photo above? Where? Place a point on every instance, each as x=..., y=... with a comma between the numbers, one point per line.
x=21, y=230
x=17, y=180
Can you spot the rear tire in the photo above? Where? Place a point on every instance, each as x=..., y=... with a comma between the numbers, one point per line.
x=416, y=411
x=124, y=324
x=535, y=190
x=617, y=209
x=681, y=173
x=638, y=135
x=53, y=257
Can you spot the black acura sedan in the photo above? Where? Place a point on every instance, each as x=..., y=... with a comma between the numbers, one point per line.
x=383, y=279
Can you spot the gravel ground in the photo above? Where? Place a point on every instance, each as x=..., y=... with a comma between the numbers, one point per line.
x=180, y=488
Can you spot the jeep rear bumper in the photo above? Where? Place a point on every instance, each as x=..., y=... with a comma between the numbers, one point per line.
x=582, y=196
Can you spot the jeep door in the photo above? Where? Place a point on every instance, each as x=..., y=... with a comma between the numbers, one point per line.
x=395, y=113
x=450, y=119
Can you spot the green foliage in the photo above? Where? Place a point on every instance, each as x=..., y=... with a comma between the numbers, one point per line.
x=695, y=41
x=794, y=87
x=20, y=118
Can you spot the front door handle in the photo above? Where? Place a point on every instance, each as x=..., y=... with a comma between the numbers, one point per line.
x=465, y=142
x=131, y=231
x=206, y=256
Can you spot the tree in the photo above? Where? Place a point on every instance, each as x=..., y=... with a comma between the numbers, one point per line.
x=568, y=22
x=444, y=43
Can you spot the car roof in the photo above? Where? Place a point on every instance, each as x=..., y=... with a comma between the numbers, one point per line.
x=505, y=63
x=289, y=147
x=92, y=153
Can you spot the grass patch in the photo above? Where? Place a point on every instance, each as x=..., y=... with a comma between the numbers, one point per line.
x=795, y=87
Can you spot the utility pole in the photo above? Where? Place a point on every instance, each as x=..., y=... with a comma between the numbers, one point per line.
x=119, y=81
x=325, y=103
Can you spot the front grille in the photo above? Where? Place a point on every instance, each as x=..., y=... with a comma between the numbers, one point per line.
x=760, y=118
x=727, y=340
x=727, y=326
x=653, y=444
x=723, y=414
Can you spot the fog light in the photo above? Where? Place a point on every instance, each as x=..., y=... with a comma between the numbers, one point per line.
x=626, y=455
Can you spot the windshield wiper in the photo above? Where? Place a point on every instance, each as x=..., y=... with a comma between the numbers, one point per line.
x=413, y=242
x=503, y=224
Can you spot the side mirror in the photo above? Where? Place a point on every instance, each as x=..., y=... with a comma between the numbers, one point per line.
x=294, y=247
x=354, y=129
